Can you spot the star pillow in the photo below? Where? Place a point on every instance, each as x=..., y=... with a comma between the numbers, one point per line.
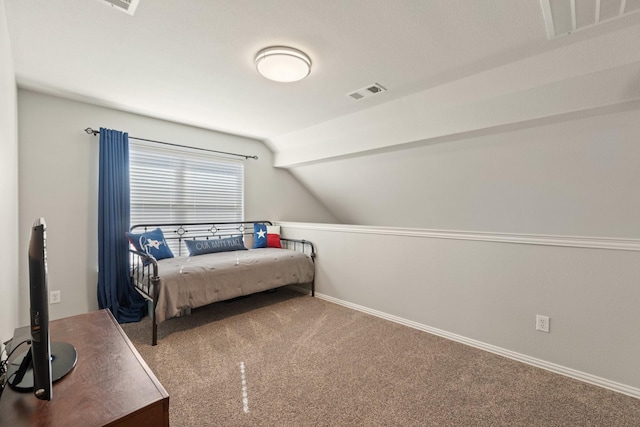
x=273, y=236
x=151, y=243
x=266, y=236
x=259, y=236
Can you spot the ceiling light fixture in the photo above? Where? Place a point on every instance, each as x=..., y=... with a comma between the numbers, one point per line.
x=283, y=64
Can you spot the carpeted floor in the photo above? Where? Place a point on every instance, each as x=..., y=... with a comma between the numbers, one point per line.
x=287, y=359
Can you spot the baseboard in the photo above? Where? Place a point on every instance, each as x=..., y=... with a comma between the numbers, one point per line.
x=552, y=367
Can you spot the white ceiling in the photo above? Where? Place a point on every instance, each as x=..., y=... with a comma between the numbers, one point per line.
x=192, y=61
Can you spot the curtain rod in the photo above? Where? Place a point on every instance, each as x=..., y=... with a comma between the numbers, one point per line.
x=97, y=132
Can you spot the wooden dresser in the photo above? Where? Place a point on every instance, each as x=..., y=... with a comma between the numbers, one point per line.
x=111, y=384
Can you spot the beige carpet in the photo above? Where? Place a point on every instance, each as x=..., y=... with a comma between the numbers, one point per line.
x=300, y=361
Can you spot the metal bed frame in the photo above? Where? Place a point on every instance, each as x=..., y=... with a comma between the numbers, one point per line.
x=144, y=268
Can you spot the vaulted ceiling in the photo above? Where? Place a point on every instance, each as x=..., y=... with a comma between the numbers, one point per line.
x=450, y=67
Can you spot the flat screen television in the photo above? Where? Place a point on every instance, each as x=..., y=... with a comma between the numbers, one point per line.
x=44, y=362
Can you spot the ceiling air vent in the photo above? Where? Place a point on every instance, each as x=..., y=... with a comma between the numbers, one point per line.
x=367, y=91
x=127, y=6
x=563, y=17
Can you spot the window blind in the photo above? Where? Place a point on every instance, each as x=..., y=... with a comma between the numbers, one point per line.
x=171, y=185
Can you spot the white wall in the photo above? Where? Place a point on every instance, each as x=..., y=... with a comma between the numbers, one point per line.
x=577, y=177
x=59, y=181
x=486, y=289
x=8, y=186
x=568, y=177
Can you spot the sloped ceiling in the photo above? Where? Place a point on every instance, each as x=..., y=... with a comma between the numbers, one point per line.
x=451, y=67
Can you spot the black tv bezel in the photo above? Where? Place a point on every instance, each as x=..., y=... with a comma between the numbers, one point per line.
x=39, y=367
x=39, y=312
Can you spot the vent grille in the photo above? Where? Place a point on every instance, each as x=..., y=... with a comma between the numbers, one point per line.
x=563, y=17
x=366, y=91
x=127, y=6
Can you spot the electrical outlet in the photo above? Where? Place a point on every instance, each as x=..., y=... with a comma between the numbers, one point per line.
x=542, y=323
x=54, y=297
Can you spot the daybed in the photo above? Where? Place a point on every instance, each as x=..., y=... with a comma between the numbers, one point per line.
x=183, y=266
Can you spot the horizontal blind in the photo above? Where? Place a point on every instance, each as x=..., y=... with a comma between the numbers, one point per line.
x=170, y=185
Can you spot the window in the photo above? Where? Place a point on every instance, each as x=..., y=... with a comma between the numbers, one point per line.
x=181, y=185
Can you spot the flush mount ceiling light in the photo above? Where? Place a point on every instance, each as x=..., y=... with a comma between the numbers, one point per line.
x=283, y=64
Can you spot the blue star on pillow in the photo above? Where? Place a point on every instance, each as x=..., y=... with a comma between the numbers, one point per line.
x=266, y=236
x=259, y=236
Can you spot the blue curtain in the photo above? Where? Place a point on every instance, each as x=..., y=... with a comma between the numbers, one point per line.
x=115, y=291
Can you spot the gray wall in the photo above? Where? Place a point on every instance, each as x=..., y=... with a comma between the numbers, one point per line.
x=8, y=186
x=59, y=179
x=485, y=289
x=577, y=177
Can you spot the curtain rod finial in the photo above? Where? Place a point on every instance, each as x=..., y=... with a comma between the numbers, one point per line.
x=90, y=131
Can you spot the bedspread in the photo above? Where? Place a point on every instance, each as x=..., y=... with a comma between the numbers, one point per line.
x=190, y=282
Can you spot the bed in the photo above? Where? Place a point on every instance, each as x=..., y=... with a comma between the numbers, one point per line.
x=183, y=266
